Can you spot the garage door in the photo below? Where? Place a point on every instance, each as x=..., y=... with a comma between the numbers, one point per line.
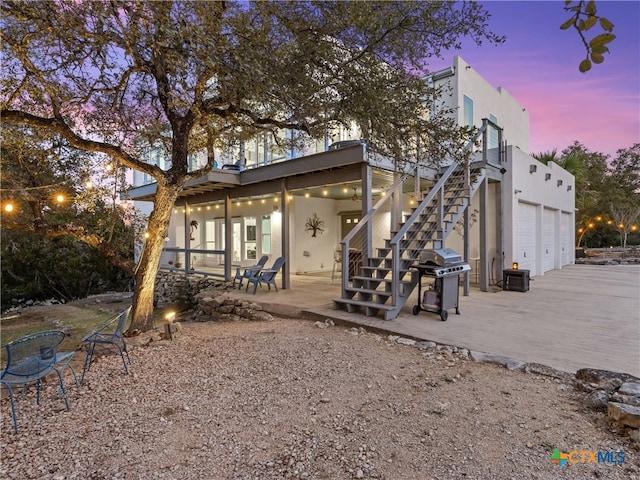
x=525, y=253
x=566, y=238
x=548, y=239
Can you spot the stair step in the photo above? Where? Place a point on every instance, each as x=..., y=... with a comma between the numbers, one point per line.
x=353, y=306
x=355, y=290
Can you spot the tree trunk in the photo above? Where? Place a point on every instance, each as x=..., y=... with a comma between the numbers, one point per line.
x=149, y=263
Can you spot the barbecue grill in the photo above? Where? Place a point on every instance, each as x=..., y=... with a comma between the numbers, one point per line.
x=444, y=266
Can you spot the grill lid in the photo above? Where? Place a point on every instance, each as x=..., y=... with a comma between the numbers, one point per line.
x=440, y=256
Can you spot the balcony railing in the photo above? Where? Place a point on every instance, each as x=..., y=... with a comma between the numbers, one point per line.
x=194, y=261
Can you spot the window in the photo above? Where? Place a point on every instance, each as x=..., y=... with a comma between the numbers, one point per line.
x=266, y=234
x=493, y=133
x=467, y=111
x=250, y=238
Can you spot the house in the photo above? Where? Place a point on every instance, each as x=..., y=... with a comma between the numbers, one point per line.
x=347, y=210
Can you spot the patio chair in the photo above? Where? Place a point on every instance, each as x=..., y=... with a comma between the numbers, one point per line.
x=31, y=358
x=267, y=276
x=249, y=271
x=114, y=340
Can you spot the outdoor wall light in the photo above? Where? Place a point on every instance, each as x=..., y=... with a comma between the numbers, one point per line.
x=533, y=168
x=547, y=177
x=276, y=208
x=559, y=182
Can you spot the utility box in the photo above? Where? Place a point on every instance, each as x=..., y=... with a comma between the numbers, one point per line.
x=515, y=280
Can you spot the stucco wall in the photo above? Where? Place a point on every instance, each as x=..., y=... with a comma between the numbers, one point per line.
x=511, y=115
x=530, y=182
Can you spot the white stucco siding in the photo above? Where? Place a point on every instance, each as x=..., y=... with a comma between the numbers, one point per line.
x=548, y=239
x=487, y=100
x=308, y=253
x=551, y=190
x=566, y=239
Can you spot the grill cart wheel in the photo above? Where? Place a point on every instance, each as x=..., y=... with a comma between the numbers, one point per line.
x=416, y=309
x=444, y=315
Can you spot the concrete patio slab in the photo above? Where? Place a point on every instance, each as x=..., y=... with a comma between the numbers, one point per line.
x=583, y=316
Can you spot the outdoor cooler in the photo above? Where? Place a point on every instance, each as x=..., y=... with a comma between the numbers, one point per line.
x=444, y=266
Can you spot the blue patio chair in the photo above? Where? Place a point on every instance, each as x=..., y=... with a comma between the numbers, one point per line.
x=267, y=276
x=31, y=358
x=113, y=340
x=251, y=271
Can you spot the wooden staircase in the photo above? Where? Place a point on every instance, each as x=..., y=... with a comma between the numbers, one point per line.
x=385, y=280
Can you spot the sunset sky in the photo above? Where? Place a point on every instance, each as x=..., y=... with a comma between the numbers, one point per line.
x=538, y=65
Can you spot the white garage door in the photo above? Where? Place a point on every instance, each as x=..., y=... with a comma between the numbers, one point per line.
x=548, y=239
x=525, y=253
x=566, y=240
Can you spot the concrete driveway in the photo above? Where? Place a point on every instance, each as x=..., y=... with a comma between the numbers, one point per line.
x=580, y=316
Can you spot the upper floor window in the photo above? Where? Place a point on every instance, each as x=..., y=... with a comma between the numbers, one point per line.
x=467, y=111
x=493, y=133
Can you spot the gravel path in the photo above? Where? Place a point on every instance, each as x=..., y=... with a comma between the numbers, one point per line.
x=287, y=400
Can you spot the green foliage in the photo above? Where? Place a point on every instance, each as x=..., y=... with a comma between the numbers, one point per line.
x=37, y=268
x=584, y=16
x=607, y=195
x=57, y=249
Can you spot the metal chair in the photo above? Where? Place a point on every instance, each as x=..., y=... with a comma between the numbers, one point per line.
x=267, y=276
x=110, y=340
x=31, y=358
x=249, y=271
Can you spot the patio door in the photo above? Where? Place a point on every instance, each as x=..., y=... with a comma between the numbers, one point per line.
x=348, y=221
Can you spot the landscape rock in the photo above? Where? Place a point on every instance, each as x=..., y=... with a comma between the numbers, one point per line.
x=506, y=362
x=630, y=388
x=625, y=414
x=598, y=400
x=604, y=379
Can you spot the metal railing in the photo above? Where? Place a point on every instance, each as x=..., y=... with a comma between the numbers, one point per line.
x=210, y=263
x=359, y=242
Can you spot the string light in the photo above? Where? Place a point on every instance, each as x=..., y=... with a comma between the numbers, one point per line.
x=8, y=207
x=60, y=198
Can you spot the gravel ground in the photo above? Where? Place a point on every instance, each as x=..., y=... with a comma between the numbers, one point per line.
x=287, y=400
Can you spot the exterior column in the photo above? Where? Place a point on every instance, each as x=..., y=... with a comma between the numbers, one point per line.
x=366, y=206
x=286, y=242
x=484, y=258
x=187, y=237
x=228, y=238
x=465, y=249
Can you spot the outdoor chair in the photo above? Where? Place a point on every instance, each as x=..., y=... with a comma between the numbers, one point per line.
x=113, y=340
x=249, y=271
x=267, y=276
x=31, y=358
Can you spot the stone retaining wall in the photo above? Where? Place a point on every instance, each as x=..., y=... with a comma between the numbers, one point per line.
x=206, y=297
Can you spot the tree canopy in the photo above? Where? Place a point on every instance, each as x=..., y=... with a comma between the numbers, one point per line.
x=584, y=17
x=607, y=192
x=115, y=77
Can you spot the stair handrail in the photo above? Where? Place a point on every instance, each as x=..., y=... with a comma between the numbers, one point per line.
x=361, y=224
x=436, y=189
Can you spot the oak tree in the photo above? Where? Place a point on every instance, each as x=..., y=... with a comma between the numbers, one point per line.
x=116, y=77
